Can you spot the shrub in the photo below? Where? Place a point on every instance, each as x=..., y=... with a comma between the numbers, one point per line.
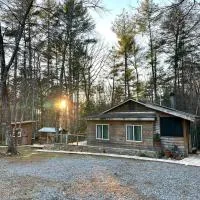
x=156, y=137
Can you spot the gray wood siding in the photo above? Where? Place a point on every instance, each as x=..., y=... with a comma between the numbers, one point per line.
x=169, y=142
x=157, y=124
x=131, y=107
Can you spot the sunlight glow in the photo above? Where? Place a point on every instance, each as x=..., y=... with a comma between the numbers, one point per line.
x=63, y=104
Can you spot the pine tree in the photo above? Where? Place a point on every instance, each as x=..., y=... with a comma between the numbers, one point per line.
x=125, y=30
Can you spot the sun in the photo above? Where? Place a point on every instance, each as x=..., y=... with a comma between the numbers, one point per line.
x=62, y=104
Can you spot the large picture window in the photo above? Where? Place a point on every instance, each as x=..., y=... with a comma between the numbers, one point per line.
x=134, y=133
x=102, y=132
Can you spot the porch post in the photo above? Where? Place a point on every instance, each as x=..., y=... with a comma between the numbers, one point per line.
x=186, y=138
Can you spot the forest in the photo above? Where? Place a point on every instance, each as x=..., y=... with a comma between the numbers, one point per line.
x=55, y=70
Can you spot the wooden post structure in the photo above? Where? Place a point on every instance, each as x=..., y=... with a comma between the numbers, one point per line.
x=186, y=138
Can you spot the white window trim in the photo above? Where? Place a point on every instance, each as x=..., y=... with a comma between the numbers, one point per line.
x=19, y=133
x=102, y=134
x=134, y=133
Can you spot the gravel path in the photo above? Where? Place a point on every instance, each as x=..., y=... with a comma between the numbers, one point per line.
x=88, y=177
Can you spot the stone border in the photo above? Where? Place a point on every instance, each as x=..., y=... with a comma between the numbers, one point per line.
x=180, y=162
x=104, y=149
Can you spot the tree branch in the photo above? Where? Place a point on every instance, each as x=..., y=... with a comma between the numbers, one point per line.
x=20, y=32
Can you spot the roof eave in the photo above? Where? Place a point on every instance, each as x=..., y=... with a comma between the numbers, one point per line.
x=175, y=113
x=172, y=112
x=121, y=119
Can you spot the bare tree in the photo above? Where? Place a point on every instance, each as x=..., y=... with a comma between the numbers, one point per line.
x=5, y=69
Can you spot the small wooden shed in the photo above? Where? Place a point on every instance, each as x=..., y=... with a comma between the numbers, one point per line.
x=134, y=124
x=24, y=131
x=47, y=135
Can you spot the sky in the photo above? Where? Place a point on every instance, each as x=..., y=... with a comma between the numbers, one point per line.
x=104, y=20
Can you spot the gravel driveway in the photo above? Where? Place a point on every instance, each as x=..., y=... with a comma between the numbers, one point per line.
x=89, y=177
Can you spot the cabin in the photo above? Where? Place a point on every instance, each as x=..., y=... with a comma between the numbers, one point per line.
x=24, y=131
x=136, y=125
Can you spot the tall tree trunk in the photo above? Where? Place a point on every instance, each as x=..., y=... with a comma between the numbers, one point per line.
x=15, y=88
x=153, y=67
x=48, y=42
x=176, y=59
x=6, y=112
x=155, y=76
x=113, y=91
x=125, y=73
x=136, y=70
x=63, y=67
x=31, y=83
x=137, y=83
x=7, y=119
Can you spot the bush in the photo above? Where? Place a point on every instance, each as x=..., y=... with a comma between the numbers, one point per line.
x=142, y=154
x=160, y=154
x=156, y=137
x=174, y=153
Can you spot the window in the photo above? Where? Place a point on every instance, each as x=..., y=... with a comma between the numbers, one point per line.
x=102, y=132
x=134, y=133
x=19, y=132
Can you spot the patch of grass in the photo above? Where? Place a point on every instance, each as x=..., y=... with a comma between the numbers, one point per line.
x=30, y=155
